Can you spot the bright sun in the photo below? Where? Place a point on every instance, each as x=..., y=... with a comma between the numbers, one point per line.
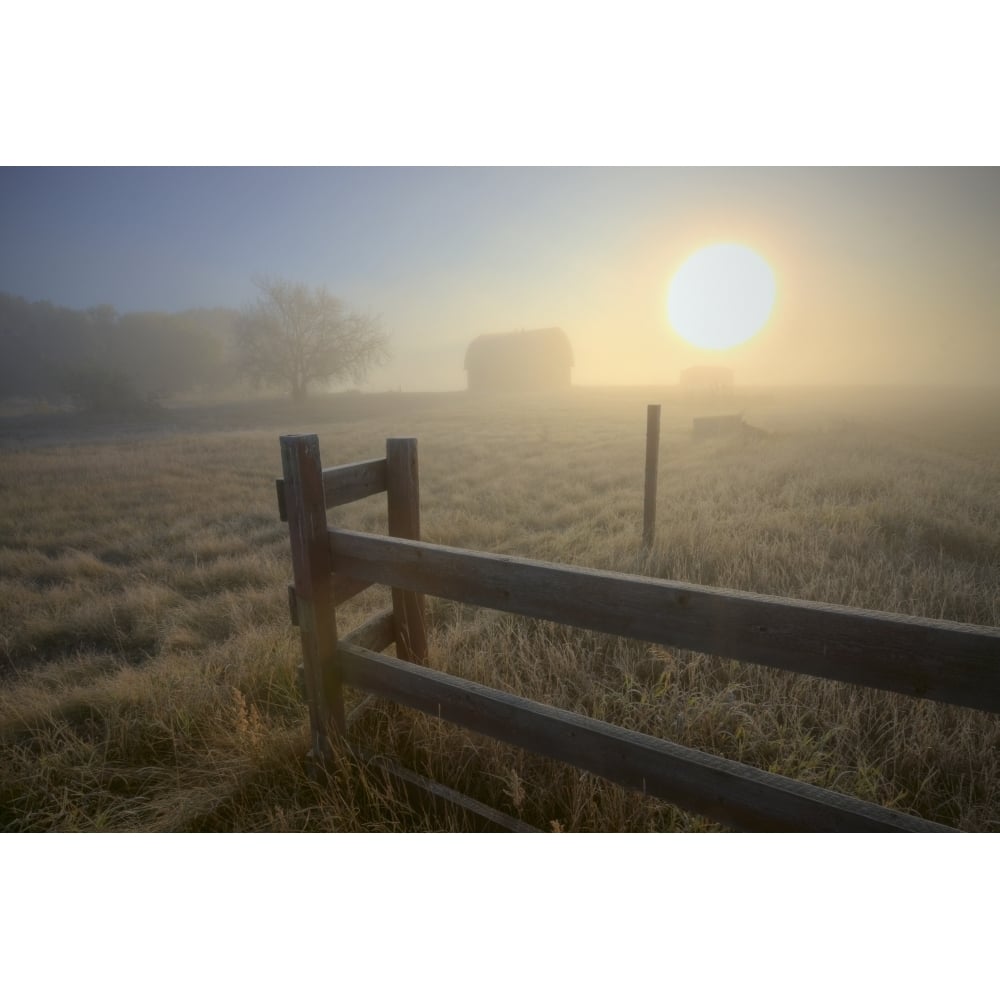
x=721, y=296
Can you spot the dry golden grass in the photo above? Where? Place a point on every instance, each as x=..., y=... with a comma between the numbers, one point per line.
x=146, y=661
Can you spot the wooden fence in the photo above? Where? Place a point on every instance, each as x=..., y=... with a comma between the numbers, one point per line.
x=943, y=661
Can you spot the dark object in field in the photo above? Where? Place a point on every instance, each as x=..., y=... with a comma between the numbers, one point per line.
x=724, y=426
x=523, y=360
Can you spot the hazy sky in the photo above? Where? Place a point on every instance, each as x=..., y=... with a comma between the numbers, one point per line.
x=884, y=275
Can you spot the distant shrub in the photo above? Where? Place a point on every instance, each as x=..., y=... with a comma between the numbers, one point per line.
x=105, y=391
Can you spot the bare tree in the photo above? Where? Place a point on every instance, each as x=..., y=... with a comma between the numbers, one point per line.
x=294, y=335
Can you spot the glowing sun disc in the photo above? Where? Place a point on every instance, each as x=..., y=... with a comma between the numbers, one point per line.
x=721, y=296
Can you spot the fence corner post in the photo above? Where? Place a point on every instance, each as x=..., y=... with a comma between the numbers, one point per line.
x=652, y=467
x=305, y=506
x=403, y=490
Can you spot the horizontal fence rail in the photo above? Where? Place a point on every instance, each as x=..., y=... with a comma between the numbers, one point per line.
x=738, y=795
x=939, y=660
x=944, y=661
x=347, y=483
x=343, y=484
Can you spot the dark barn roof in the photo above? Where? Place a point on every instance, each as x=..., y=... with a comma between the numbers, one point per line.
x=524, y=359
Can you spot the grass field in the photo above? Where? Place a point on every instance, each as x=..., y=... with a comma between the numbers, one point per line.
x=147, y=662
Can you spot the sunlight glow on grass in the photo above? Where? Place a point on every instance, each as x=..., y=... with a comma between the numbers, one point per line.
x=147, y=663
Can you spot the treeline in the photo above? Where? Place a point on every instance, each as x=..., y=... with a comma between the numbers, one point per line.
x=100, y=359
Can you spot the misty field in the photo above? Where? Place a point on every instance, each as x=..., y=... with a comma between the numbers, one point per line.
x=147, y=665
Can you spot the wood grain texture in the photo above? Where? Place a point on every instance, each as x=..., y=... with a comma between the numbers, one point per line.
x=279, y=488
x=735, y=794
x=403, y=488
x=347, y=483
x=374, y=634
x=343, y=484
x=943, y=661
x=312, y=583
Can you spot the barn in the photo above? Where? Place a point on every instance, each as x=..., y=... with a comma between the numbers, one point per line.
x=707, y=378
x=520, y=360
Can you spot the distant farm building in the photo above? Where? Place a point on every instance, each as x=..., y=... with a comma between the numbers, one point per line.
x=522, y=360
x=707, y=378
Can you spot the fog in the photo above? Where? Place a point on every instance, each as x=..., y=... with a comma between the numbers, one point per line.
x=888, y=275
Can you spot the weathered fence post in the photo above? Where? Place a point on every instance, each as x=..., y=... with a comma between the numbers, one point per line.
x=305, y=505
x=652, y=466
x=403, y=488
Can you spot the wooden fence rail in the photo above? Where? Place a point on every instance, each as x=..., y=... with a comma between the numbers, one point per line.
x=738, y=795
x=343, y=484
x=944, y=661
